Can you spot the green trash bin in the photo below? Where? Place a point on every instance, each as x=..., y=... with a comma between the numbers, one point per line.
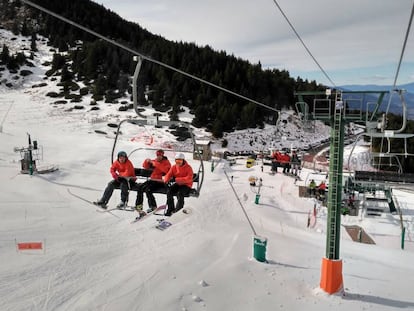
x=259, y=248
x=256, y=200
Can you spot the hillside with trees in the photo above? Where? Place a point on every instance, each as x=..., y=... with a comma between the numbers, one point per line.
x=107, y=69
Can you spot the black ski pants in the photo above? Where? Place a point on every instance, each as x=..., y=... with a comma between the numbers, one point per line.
x=181, y=191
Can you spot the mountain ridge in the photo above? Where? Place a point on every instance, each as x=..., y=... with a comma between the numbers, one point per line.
x=395, y=105
x=409, y=87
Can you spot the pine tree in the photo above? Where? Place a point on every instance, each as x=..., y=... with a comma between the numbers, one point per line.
x=66, y=75
x=33, y=46
x=25, y=31
x=100, y=86
x=217, y=129
x=5, y=54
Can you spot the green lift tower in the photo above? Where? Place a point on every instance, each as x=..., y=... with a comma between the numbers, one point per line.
x=330, y=107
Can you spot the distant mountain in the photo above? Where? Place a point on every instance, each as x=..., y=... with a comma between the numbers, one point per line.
x=409, y=87
x=396, y=105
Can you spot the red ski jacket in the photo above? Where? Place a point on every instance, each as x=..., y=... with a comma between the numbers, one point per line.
x=183, y=174
x=285, y=158
x=277, y=156
x=322, y=186
x=160, y=168
x=122, y=169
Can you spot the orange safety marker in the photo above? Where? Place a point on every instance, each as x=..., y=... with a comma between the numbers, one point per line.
x=331, y=275
x=30, y=245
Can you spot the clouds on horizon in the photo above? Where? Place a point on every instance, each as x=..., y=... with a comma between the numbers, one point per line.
x=353, y=41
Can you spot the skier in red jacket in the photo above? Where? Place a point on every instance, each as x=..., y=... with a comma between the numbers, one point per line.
x=276, y=157
x=285, y=162
x=160, y=166
x=321, y=190
x=183, y=181
x=123, y=174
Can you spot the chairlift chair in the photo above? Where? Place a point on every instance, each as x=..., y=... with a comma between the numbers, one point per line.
x=198, y=177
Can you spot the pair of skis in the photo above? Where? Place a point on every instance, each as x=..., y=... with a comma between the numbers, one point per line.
x=103, y=209
x=100, y=208
x=92, y=203
x=162, y=224
x=146, y=214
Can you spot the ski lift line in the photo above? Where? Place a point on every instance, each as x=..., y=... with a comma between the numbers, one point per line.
x=390, y=154
x=404, y=117
x=135, y=86
x=398, y=70
x=7, y=112
x=381, y=155
x=357, y=138
x=303, y=43
x=389, y=178
x=116, y=139
x=404, y=112
x=134, y=52
x=240, y=203
x=391, y=134
x=395, y=133
x=404, y=45
x=369, y=116
x=404, y=107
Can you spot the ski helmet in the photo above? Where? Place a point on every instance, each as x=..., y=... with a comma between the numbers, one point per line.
x=122, y=154
x=180, y=156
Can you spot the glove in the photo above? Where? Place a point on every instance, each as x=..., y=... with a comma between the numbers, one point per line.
x=149, y=162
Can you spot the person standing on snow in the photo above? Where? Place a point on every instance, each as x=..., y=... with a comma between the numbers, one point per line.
x=123, y=174
x=322, y=189
x=295, y=163
x=312, y=187
x=183, y=182
x=285, y=162
x=276, y=157
x=159, y=166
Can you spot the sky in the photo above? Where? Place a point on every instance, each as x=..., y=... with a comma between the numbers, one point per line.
x=355, y=42
x=93, y=260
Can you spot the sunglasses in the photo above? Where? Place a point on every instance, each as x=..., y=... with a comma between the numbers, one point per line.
x=179, y=160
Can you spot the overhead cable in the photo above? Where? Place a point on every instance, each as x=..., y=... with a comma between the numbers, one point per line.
x=393, y=88
x=241, y=204
x=404, y=45
x=303, y=43
x=396, y=78
x=134, y=52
